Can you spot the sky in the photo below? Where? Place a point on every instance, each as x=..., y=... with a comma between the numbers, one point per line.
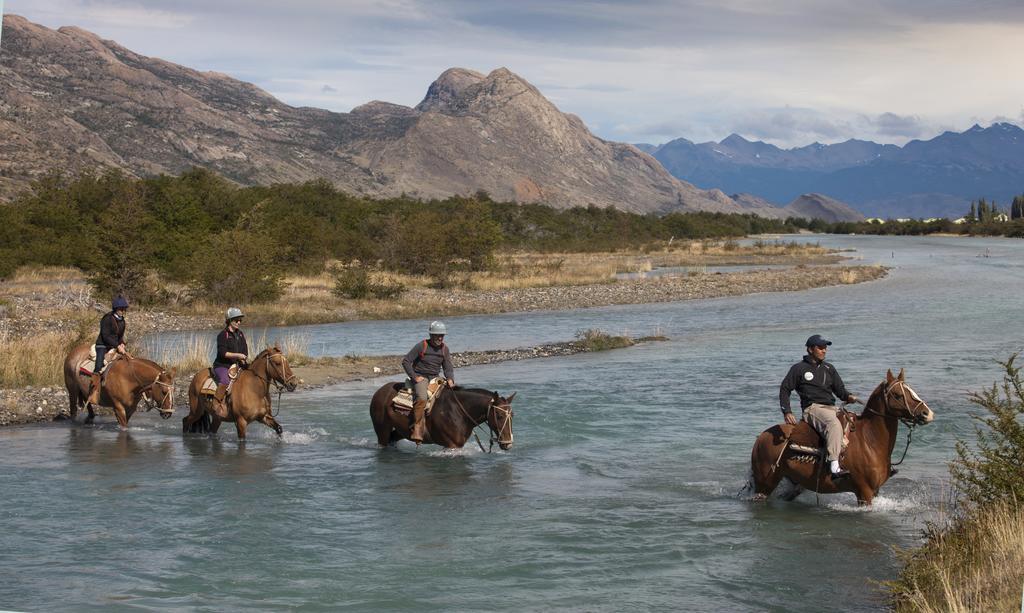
x=789, y=72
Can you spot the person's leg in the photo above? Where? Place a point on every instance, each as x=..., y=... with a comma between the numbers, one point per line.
x=94, y=380
x=419, y=409
x=825, y=420
x=220, y=405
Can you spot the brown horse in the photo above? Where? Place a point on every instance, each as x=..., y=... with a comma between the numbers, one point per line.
x=126, y=382
x=867, y=457
x=250, y=394
x=456, y=412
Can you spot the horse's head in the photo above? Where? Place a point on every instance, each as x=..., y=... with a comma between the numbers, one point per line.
x=499, y=418
x=278, y=368
x=161, y=392
x=899, y=400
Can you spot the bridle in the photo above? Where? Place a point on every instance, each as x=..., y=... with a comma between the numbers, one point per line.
x=280, y=382
x=916, y=418
x=495, y=435
x=166, y=405
x=278, y=379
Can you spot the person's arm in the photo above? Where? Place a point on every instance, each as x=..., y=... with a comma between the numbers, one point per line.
x=222, y=347
x=785, y=391
x=839, y=389
x=108, y=332
x=409, y=360
x=449, y=369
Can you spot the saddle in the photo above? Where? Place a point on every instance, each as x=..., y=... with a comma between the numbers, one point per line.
x=808, y=445
x=402, y=402
x=209, y=387
x=88, y=365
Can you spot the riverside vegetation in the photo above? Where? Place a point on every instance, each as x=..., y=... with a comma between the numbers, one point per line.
x=974, y=561
x=199, y=237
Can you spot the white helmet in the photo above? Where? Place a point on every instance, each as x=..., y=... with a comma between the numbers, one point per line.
x=437, y=328
x=233, y=313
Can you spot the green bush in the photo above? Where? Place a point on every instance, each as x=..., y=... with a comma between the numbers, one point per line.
x=355, y=282
x=599, y=340
x=993, y=471
x=235, y=267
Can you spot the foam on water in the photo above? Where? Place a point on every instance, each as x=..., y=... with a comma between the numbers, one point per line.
x=881, y=504
x=304, y=438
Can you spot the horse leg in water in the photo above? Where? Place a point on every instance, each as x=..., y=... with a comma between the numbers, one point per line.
x=762, y=465
x=240, y=425
x=271, y=422
x=121, y=415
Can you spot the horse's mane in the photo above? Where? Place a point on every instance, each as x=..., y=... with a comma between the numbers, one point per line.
x=474, y=390
x=873, y=399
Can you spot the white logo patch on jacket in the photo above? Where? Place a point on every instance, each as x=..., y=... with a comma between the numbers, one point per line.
x=808, y=376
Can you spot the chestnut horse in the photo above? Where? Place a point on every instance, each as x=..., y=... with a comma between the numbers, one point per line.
x=456, y=412
x=126, y=382
x=867, y=457
x=249, y=400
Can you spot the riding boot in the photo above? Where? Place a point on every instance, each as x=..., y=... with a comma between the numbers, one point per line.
x=220, y=405
x=94, y=390
x=418, y=409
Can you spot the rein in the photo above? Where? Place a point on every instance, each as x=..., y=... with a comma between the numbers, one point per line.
x=150, y=403
x=908, y=422
x=269, y=357
x=491, y=406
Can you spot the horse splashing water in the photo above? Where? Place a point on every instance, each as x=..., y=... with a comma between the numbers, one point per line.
x=867, y=456
x=249, y=400
x=452, y=420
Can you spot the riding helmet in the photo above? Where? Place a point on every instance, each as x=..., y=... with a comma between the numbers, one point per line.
x=437, y=328
x=119, y=303
x=233, y=313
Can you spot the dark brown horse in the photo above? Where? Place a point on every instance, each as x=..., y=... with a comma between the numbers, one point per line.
x=455, y=414
x=867, y=457
x=250, y=394
x=126, y=382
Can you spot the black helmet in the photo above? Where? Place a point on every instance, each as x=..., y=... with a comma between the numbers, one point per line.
x=119, y=303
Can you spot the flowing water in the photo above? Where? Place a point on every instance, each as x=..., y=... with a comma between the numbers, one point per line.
x=621, y=490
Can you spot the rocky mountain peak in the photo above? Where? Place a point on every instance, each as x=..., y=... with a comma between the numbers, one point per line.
x=448, y=88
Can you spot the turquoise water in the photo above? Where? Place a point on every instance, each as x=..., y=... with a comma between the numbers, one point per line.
x=620, y=492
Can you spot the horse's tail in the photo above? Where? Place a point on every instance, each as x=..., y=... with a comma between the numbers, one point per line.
x=201, y=425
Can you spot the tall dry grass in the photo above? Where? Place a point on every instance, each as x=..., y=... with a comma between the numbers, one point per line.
x=975, y=565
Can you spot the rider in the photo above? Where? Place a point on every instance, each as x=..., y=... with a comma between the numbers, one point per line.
x=231, y=349
x=425, y=360
x=818, y=383
x=111, y=337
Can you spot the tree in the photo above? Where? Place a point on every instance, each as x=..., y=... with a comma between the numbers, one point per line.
x=1017, y=207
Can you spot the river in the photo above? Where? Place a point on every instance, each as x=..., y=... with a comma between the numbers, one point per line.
x=620, y=492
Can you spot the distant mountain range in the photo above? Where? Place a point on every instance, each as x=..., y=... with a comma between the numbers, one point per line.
x=932, y=178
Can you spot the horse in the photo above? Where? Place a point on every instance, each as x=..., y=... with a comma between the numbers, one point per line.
x=455, y=414
x=249, y=400
x=125, y=383
x=868, y=454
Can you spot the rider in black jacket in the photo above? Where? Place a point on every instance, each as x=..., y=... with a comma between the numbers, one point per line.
x=818, y=384
x=111, y=338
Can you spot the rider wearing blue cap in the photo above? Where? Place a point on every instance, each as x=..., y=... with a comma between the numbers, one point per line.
x=111, y=337
x=426, y=360
x=818, y=384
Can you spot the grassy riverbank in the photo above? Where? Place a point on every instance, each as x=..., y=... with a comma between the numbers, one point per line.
x=974, y=560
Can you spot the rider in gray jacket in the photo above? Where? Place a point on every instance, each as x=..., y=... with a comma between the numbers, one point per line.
x=424, y=361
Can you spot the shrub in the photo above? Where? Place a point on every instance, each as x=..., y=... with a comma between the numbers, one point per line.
x=355, y=282
x=236, y=268
x=599, y=340
x=994, y=471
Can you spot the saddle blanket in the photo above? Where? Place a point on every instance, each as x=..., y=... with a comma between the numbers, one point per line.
x=402, y=401
x=209, y=387
x=88, y=365
x=804, y=439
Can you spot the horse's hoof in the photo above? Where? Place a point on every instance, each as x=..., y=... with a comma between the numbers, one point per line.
x=759, y=498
